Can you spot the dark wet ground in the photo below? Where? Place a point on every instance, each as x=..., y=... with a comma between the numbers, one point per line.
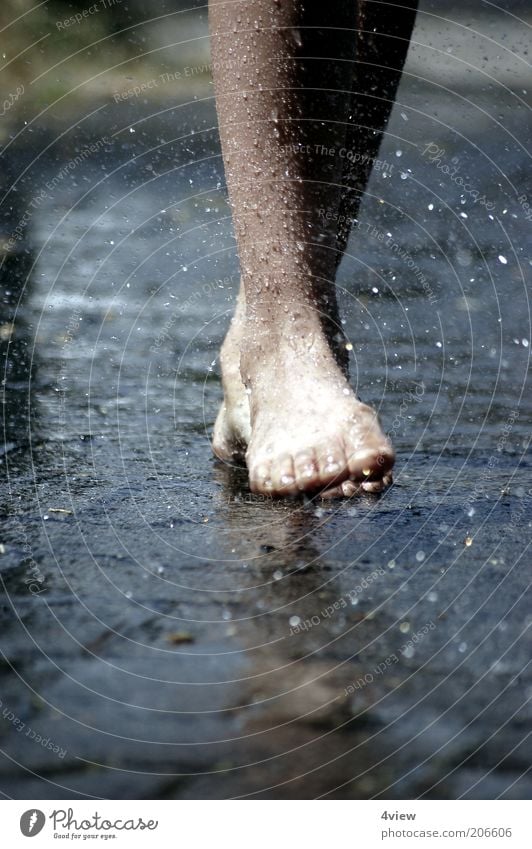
x=167, y=634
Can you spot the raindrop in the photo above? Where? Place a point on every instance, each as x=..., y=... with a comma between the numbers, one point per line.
x=296, y=35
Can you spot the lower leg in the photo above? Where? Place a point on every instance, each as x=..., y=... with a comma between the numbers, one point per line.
x=282, y=83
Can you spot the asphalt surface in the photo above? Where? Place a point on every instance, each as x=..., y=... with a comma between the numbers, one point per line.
x=166, y=634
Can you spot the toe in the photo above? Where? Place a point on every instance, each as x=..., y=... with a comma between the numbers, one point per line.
x=377, y=486
x=283, y=476
x=371, y=464
x=306, y=471
x=225, y=444
x=260, y=479
x=345, y=490
x=332, y=466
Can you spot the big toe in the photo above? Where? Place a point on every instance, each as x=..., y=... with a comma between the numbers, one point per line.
x=260, y=478
x=371, y=463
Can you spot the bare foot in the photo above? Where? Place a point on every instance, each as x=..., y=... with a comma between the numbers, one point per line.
x=296, y=418
x=232, y=429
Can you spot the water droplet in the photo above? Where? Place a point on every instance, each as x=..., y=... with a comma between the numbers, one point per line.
x=503, y=259
x=420, y=556
x=296, y=35
x=404, y=627
x=294, y=621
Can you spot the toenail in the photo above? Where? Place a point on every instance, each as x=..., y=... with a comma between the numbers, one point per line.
x=287, y=480
x=308, y=471
x=332, y=467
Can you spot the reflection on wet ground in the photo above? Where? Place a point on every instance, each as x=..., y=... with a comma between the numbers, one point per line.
x=168, y=634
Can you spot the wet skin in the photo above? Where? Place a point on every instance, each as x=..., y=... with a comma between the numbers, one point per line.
x=288, y=100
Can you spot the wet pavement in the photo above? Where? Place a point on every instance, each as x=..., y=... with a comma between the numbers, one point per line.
x=166, y=634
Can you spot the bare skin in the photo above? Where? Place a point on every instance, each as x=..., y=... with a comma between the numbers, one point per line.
x=283, y=81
